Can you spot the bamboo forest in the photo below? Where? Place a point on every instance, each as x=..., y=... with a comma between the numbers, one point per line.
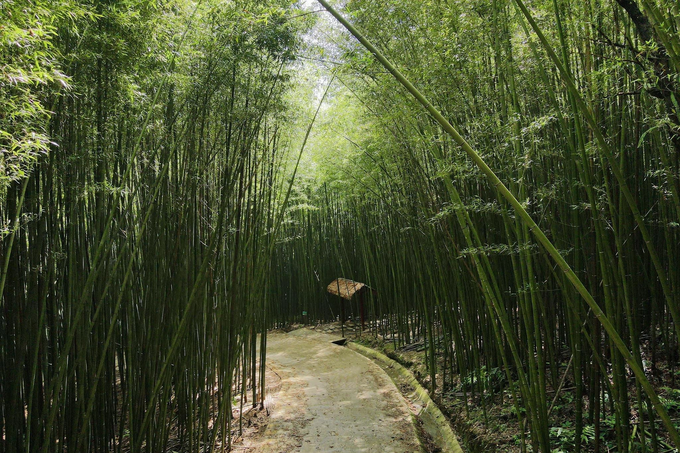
x=183, y=182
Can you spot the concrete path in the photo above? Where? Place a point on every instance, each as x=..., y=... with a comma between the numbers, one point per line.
x=331, y=400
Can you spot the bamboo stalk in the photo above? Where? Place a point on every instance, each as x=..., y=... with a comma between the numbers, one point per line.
x=526, y=218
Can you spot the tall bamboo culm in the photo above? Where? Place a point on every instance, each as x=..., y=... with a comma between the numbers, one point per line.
x=553, y=106
x=136, y=289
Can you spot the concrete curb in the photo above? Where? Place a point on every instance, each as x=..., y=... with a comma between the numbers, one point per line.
x=434, y=422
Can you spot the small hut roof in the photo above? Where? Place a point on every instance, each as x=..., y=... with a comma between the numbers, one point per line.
x=345, y=288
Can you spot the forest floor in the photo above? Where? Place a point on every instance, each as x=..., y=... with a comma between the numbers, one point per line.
x=321, y=397
x=329, y=399
x=486, y=421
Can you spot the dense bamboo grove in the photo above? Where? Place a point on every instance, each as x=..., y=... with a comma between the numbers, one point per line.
x=147, y=245
x=136, y=203
x=573, y=105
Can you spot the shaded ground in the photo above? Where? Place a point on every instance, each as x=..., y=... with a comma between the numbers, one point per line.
x=331, y=399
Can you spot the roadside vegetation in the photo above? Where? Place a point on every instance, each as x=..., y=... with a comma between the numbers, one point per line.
x=178, y=177
x=567, y=102
x=141, y=142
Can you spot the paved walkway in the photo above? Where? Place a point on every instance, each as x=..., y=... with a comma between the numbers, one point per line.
x=331, y=400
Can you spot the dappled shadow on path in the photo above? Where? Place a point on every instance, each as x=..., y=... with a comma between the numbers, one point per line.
x=332, y=399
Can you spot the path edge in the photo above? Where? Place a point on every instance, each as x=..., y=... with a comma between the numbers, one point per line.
x=434, y=422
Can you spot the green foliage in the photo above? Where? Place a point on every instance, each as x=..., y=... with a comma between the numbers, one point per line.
x=671, y=400
x=30, y=76
x=491, y=380
x=449, y=259
x=184, y=117
x=140, y=265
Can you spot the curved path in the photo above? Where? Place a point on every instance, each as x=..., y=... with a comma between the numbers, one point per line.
x=331, y=400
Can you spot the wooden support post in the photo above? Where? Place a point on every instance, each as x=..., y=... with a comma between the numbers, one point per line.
x=342, y=316
x=361, y=309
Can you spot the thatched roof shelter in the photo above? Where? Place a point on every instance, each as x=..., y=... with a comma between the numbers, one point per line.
x=346, y=288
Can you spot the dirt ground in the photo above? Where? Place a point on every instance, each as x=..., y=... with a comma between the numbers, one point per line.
x=330, y=399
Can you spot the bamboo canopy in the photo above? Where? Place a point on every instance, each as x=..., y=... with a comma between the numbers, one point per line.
x=346, y=288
